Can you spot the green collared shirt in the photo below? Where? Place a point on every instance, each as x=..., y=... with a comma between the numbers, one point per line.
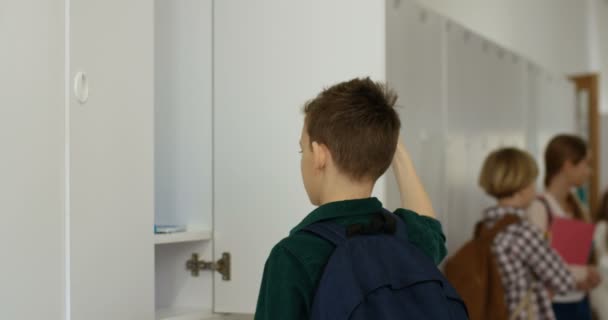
x=296, y=263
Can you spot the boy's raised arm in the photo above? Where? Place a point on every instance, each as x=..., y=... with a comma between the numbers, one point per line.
x=412, y=193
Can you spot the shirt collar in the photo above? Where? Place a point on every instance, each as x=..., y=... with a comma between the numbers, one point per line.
x=340, y=209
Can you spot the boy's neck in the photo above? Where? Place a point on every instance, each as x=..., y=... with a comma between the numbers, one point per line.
x=345, y=189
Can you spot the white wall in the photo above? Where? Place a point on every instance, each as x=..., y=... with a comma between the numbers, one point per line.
x=552, y=33
x=31, y=161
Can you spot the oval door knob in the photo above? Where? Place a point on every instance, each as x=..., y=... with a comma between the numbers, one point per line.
x=81, y=87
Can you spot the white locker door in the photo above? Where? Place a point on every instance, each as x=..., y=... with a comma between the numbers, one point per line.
x=415, y=70
x=269, y=58
x=111, y=161
x=32, y=112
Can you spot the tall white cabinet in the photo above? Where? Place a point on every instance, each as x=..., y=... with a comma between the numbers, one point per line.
x=111, y=143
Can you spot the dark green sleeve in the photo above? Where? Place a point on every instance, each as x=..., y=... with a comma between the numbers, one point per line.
x=425, y=233
x=286, y=291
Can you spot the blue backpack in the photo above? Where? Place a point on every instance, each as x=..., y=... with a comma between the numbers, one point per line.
x=380, y=276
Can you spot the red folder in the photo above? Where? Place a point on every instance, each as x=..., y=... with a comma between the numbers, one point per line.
x=572, y=239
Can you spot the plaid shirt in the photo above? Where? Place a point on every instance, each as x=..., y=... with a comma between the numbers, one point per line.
x=526, y=261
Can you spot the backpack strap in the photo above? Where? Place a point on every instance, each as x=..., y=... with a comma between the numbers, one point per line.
x=401, y=231
x=330, y=231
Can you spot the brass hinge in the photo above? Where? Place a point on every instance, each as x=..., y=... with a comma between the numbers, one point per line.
x=194, y=265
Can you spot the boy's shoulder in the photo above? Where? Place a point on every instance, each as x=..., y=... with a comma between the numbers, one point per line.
x=418, y=225
x=425, y=233
x=303, y=245
x=304, y=249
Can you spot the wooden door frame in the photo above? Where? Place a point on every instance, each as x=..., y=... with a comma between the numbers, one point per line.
x=590, y=82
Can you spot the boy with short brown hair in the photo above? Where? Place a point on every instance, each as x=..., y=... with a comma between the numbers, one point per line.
x=349, y=139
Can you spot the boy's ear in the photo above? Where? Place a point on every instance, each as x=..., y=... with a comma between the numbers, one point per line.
x=320, y=155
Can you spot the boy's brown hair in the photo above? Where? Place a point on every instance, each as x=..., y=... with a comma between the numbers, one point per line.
x=357, y=122
x=507, y=171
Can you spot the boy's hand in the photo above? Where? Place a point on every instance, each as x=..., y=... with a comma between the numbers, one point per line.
x=413, y=195
x=401, y=150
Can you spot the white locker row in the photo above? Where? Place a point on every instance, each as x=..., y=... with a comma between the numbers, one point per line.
x=463, y=97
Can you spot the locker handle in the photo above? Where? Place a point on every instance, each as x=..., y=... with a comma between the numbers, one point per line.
x=81, y=87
